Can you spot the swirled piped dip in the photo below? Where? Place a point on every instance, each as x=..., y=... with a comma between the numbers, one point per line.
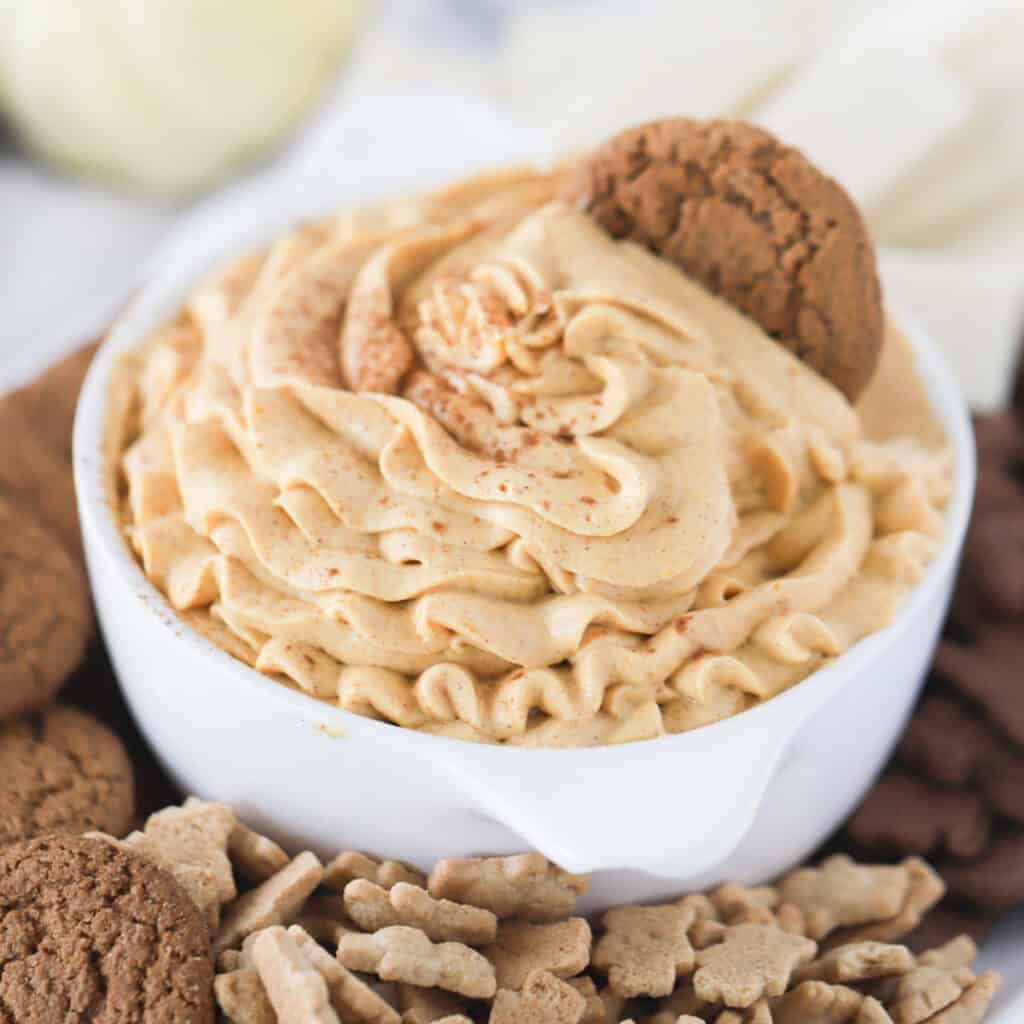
x=470, y=466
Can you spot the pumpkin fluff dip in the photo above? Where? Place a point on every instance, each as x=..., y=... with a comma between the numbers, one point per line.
x=548, y=459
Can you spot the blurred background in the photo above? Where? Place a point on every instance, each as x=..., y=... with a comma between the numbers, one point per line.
x=120, y=115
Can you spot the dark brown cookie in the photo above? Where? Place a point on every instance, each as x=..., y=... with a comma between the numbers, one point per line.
x=945, y=743
x=944, y=923
x=62, y=771
x=948, y=744
x=905, y=816
x=1017, y=395
x=994, y=882
x=90, y=932
x=45, y=616
x=48, y=403
x=988, y=669
x=756, y=223
x=993, y=563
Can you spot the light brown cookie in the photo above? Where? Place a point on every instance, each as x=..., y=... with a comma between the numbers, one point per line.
x=191, y=843
x=526, y=885
x=751, y=962
x=839, y=893
x=561, y=948
x=373, y=907
x=62, y=771
x=350, y=865
x=645, y=949
x=399, y=953
x=104, y=933
x=276, y=901
x=45, y=617
x=544, y=1000
x=756, y=223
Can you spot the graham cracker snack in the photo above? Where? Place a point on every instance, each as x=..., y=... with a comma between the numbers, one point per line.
x=859, y=961
x=348, y=866
x=751, y=961
x=275, y=901
x=644, y=949
x=595, y=1010
x=527, y=886
x=373, y=907
x=428, y=1005
x=973, y=1004
x=684, y=1002
x=924, y=890
x=253, y=856
x=841, y=893
x=756, y=1014
x=544, y=999
x=814, y=1002
x=747, y=968
x=242, y=997
x=354, y=1000
x=560, y=948
x=922, y=992
x=496, y=475
x=295, y=988
x=405, y=954
x=324, y=917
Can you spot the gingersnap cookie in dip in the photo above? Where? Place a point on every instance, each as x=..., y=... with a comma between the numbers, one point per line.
x=91, y=932
x=593, y=502
x=753, y=221
x=62, y=771
x=45, y=618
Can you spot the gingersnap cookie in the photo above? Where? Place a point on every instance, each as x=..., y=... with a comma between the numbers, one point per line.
x=45, y=616
x=91, y=932
x=753, y=221
x=48, y=403
x=62, y=771
x=38, y=480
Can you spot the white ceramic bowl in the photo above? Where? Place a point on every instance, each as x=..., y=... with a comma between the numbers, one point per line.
x=743, y=798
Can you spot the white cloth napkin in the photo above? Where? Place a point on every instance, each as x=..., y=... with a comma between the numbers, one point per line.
x=914, y=106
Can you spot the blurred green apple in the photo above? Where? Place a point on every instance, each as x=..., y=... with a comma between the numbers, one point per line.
x=165, y=96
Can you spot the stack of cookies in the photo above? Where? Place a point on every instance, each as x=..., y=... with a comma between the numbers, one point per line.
x=955, y=790
x=62, y=769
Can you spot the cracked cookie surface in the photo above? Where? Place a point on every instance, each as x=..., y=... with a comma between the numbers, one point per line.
x=63, y=771
x=105, y=934
x=756, y=223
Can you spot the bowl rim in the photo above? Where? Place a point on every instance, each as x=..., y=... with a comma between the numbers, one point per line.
x=163, y=293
